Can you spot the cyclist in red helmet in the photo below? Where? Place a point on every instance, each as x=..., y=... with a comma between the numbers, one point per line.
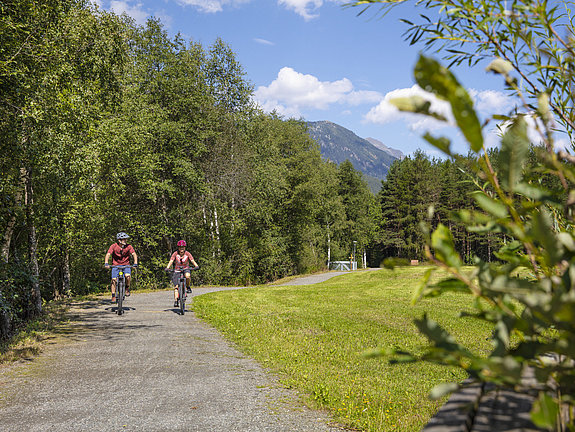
x=183, y=260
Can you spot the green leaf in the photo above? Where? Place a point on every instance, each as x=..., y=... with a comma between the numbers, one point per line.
x=501, y=337
x=451, y=284
x=437, y=79
x=391, y=263
x=494, y=207
x=443, y=144
x=442, y=389
x=500, y=66
x=439, y=337
x=567, y=241
x=513, y=154
x=422, y=285
x=504, y=370
x=442, y=243
x=543, y=108
x=544, y=412
x=417, y=105
x=542, y=230
x=533, y=192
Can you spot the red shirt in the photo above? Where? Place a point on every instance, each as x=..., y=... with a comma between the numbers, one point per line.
x=181, y=261
x=121, y=255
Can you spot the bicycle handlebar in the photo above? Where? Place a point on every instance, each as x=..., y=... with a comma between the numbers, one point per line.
x=121, y=266
x=182, y=270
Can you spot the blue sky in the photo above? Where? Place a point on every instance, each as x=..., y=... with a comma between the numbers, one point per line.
x=318, y=60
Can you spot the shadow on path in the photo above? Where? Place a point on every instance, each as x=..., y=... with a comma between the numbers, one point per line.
x=150, y=369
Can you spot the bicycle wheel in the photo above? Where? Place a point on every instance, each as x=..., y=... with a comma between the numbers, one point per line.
x=120, y=295
x=182, y=293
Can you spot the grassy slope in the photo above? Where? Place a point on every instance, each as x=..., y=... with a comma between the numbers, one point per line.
x=315, y=336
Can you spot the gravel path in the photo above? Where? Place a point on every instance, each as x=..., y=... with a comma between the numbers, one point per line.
x=313, y=279
x=148, y=370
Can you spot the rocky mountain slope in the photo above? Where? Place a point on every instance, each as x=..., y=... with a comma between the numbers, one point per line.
x=370, y=156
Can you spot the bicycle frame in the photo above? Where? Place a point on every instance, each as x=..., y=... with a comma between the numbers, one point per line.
x=182, y=289
x=120, y=287
x=182, y=292
x=182, y=286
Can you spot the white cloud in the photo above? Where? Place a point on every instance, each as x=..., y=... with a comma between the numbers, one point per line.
x=486, y=103
x=385, y=112
x=361, y=97
x=212, y=6
x=493, y=136
x=490, y=102
x=263, y=41
x=135, y=11
x=563, y=143
x=291, y=92
x=308, y=9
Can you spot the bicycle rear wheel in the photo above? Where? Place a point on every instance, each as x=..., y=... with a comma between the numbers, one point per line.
x=120, y=295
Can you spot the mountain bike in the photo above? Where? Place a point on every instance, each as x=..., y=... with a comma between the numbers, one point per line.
x=120, y=287
x=182, y=286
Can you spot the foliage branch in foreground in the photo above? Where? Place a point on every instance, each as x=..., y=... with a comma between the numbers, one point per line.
x=529, y=295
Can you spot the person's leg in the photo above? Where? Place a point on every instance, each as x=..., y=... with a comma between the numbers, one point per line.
x=188, y=282
x=114, y=282
x=128, y=273
x=113, y=288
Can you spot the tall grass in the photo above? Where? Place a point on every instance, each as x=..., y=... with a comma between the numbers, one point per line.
x=315, y=336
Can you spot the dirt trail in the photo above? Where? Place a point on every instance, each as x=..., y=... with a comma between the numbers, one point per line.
x=148, y=370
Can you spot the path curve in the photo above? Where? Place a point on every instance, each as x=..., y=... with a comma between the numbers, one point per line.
x=322, y=277
x=313, y=279
x=148, y=370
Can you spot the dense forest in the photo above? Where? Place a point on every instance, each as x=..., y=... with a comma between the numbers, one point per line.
x=108, y=126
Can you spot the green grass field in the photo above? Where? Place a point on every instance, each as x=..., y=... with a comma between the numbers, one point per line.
x=315, y=338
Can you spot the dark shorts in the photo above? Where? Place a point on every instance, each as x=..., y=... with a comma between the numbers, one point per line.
x=176, y=276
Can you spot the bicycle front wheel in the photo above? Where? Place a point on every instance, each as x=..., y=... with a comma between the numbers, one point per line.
x=182, y=293
x=120, y=295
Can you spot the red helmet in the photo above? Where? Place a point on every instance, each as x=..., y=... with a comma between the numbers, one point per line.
x=181, y=243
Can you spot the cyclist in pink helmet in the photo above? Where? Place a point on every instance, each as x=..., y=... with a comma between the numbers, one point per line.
x=183, y=260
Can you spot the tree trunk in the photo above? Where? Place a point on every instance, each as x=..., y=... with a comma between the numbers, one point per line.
x=328, y=247
x=36, y=296
x=217, y=231
x=66, y=290
x=7, y=239
x=164, y=208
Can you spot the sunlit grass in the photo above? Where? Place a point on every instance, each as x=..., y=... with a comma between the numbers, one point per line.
x=315, y=338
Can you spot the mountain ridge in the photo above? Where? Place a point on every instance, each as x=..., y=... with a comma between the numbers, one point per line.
x=368, y=155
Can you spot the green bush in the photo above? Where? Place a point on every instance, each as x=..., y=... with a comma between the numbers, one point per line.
x=529, y=295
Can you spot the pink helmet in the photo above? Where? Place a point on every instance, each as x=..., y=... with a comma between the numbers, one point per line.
x=181, y=243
